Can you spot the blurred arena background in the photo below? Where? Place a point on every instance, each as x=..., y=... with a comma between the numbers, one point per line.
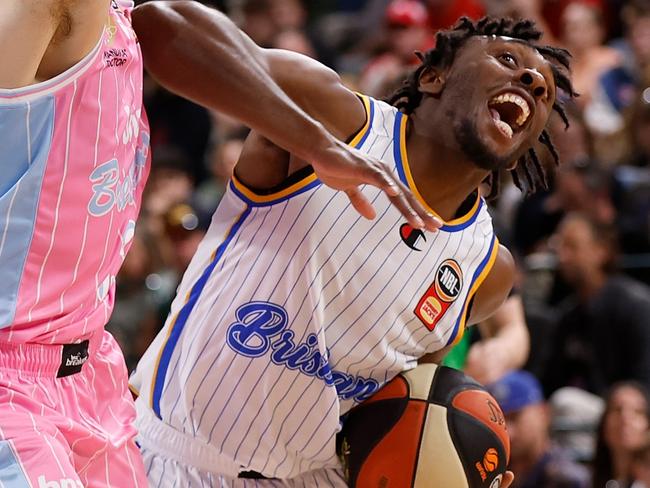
x=582, y=247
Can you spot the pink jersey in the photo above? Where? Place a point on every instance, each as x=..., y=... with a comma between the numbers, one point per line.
x=74, y=153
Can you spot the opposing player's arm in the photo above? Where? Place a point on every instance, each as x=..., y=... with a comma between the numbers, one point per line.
x=26, y=29
x=198, y=53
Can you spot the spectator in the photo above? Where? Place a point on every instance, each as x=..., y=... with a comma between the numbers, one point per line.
x=405, y=32
x=445, y=13
x=256, y=19
x=224, y=157
x=623, y=428
x=575, y=415
x=294, y=40
x=583, y=33
x=178, y=123
x=135, y=319
x=603, y=333
x=641, y=465
x=536, y=462
x=617, y=87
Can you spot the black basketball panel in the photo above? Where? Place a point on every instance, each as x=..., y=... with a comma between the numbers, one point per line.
x=447, y=383
x=363, y=428
x=479, y=449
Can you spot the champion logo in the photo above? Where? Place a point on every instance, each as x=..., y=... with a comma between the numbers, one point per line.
x=413, y=238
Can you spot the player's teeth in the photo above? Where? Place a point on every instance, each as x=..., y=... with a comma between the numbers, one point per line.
x=517, y=100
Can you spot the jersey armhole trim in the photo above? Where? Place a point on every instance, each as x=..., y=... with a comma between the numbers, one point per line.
x=291, y=187
x=480, y=274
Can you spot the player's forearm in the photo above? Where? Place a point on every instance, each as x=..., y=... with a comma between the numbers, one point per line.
x=201, y=55
x=508, y=327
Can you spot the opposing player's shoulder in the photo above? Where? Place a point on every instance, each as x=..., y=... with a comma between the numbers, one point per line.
x=496, y=287
x=40, y=39
x=26, y=29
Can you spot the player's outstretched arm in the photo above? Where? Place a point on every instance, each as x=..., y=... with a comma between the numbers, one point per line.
x=26, y=29
x=505, y=343
x=200, y=54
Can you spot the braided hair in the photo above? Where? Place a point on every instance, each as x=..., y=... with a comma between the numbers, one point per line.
x=529, y=173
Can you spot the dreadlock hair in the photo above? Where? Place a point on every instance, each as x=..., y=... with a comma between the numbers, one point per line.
x=529, y=174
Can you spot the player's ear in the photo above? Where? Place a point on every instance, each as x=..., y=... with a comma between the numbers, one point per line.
x=432, y=81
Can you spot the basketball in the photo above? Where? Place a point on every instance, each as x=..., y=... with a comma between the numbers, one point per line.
x=431, y=427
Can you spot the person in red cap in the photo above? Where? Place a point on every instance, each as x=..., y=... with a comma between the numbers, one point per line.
x=406, y=31
x=444, y=13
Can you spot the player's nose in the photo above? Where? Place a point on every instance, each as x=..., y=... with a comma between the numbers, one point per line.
x=534, y=82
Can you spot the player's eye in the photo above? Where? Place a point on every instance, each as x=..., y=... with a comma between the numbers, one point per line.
x=508, y=59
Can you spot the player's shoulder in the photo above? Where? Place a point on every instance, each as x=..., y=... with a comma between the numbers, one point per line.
x=40, y=39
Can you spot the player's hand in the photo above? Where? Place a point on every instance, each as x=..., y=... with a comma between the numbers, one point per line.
x=487, y=360
x=508, y=478
x=344, y=168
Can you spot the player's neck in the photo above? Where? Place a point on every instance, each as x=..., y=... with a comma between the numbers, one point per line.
x=443, y=174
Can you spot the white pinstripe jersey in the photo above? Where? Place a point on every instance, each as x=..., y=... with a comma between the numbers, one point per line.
x=295, y=307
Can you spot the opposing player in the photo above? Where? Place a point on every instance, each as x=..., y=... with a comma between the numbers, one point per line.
x=294, y=309
x=74, y=145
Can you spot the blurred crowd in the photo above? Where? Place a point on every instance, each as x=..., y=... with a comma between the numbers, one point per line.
x=577, y=400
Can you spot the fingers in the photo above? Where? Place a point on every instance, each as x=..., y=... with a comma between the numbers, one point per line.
x=401, y=196
x=361, y=203
x=401, y=203
x=354, y=168
x=413, y=210
x=508, y=478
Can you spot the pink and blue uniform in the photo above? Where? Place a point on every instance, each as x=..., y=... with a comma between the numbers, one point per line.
x=74, y=153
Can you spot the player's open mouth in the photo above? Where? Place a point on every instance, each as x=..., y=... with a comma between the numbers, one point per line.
x=510, y=112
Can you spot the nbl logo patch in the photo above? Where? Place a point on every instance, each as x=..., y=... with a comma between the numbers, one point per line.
x=441, y=294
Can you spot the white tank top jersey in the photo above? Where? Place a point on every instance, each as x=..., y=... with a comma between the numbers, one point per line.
x=295, y=308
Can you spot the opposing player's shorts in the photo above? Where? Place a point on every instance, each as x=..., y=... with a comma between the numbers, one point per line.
x=66, y=417
x=174, y=459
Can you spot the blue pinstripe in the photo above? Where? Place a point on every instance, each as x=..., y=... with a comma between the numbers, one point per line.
x=477, y=273
x=184, y=314
x=223, y=315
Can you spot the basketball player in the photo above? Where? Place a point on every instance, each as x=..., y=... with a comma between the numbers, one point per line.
x=294, y=309
x=74, y=142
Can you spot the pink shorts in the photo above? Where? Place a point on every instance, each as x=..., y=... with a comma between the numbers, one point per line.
x=66, y=417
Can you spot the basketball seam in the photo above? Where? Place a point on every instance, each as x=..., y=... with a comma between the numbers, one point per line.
x=416, y=461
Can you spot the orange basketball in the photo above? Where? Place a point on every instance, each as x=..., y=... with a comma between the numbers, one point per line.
x=429, y=427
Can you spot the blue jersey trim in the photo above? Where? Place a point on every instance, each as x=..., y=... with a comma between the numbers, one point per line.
x=401, y=163
x=251, y=203
x=184, y=313
x=477, y=274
